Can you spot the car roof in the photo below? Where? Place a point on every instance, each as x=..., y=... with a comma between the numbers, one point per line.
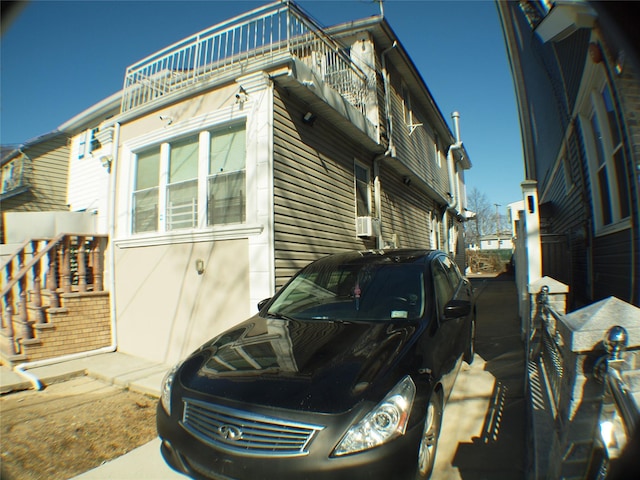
x=381, y=256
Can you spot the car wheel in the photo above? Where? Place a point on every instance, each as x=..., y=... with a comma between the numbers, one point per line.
x=471, y=347
x=429, y=439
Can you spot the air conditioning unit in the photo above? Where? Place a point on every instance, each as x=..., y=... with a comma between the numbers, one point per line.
x=365, y=227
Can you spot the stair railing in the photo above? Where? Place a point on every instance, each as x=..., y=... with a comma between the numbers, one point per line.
x=65, y=264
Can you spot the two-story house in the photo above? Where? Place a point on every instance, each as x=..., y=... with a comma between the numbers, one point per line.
x=245, y=151
x=576, y=78
x=249, y=149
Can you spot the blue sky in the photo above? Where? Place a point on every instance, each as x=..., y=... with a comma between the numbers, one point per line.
x=61, y=57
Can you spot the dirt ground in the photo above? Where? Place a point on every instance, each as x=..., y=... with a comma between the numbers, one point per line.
x=71, y=427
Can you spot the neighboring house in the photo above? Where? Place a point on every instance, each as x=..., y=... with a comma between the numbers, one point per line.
x=495, y=242
x=34, y=177
x=577, y=84
x=58, y=172
x=238, y=158
x=90, y=161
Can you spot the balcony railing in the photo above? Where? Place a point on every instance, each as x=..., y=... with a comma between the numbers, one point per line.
x=249, y=42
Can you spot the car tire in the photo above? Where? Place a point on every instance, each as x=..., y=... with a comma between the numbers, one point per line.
x=470, y=350
x=429, y=439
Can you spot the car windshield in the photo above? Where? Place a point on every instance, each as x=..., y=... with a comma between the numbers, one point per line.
x=378, y=291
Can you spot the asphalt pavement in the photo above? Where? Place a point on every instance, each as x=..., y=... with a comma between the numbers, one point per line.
x=483, y=434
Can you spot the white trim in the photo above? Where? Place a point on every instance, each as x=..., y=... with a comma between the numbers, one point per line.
x=364, y=166
x=227, y=232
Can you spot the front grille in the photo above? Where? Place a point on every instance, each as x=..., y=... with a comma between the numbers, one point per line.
x=246, y=433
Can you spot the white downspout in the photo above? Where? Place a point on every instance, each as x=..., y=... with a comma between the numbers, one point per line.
x=453, y=184
x=390, y=148
x=21, y=368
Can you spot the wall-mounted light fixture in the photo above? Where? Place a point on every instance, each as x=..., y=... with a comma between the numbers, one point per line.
x=106, y=161
x=168, y=120
x=406, y=181
x=309, y=118
x=200, y=266
x=241, y=96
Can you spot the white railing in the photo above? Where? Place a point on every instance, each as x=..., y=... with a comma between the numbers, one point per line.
x=252, y=40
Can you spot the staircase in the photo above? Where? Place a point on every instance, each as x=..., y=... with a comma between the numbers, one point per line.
x=53, y=299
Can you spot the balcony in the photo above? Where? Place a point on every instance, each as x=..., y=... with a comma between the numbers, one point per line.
x=254, y=41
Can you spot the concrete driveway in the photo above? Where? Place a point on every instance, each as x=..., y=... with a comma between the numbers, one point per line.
x=483, y=434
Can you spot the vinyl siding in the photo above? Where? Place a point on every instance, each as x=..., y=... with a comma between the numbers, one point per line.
x=415, y=149
x=314, y=197
x=405, y=212
x=47, y=179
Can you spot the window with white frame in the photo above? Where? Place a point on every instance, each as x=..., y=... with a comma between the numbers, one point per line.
x=179, y=183
x=146, y=191
x=406, y=105
x=363, y=191
x=86, y=143
x=604, y=148
x=226, y=191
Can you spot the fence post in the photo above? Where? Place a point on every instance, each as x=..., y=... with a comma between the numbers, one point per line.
x=579, y=336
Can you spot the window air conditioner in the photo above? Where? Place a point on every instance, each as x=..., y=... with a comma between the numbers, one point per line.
x=364, y=227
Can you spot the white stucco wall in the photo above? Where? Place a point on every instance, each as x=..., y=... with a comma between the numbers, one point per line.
x=165, y=309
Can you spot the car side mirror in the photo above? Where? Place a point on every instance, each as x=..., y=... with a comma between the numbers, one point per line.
x=457, y=309
x=262, y=303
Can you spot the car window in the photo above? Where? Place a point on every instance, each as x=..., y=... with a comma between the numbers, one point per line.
x=378, y=291
x=442, y=285
x=453, y=274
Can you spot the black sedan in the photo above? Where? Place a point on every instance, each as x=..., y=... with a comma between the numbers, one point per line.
x=344, y=373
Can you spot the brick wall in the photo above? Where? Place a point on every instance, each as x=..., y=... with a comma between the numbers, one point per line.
x=81, y=324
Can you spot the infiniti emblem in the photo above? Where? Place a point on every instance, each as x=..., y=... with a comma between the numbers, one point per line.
x=229, y=432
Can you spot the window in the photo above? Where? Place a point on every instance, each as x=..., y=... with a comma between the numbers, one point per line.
x=182, y=187
x=363, y=193
x=87, y=143
x=606, y=159
x=146, y=191
x=437, y=151
x=443, y=289
x=226, y=181
x=180, y=184
x=453, y=274
x=406, y=105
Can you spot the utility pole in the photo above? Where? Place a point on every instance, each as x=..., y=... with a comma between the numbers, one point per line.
x=498, y=223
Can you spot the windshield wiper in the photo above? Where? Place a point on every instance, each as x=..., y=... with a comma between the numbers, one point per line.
x=279, y=316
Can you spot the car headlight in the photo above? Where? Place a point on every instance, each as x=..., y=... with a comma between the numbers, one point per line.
x=385, y=422
x=165, y=389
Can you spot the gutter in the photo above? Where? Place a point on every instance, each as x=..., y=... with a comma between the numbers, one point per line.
x=390, y=148
x=21, y=368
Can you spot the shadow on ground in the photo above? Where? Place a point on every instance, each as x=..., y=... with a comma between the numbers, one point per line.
x=499, y=451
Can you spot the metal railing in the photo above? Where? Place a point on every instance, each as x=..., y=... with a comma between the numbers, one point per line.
x=248, y=42
x=620, y=413
x=43, y=269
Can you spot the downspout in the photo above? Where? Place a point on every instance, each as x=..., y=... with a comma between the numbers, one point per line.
x=453, y=184
x=21, y=368
x=390, y=148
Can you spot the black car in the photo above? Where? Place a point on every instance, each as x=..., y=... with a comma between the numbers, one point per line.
x=344, y=373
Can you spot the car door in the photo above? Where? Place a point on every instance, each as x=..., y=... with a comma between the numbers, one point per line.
x=462, y=294
x=446, y=347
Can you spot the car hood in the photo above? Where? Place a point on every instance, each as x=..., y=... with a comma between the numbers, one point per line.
x=321, y=366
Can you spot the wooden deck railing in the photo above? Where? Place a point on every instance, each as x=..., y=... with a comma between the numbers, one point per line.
x=38, y=273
